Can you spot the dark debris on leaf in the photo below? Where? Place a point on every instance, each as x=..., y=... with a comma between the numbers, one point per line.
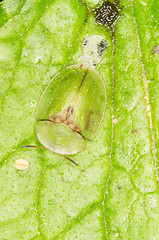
x=107, y=14
x=102, y=47
x=155, y=49
x=85, y=41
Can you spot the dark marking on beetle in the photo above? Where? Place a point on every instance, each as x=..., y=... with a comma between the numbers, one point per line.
x=67, y=117
x=71, y=124
x=84, y=77
x=107, y=14
x=53, y=118
x=119, y=187
x=60, y=118
x=77, y=128
x=102, y=47
x=69, y=112
x=88, y=120
x=57, y=118
x=94, y=64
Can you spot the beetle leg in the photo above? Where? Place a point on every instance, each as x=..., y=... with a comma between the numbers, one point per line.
x=33, y=146
x=67, y=158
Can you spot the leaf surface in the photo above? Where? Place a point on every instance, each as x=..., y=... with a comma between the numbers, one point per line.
x=117, y=195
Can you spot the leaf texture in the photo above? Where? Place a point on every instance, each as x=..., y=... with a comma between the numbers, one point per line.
x=116, y=197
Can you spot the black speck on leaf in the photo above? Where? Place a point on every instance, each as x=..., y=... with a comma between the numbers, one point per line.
x=107, y=14
x=102, y=47
x=85, y=41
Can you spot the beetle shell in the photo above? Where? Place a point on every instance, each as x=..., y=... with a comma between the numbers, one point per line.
x=70, y=110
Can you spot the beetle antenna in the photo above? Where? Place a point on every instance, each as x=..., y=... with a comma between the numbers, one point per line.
x=33, y=146
x=67, y=158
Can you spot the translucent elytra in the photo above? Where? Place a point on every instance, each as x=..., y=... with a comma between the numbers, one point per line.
x=70, y=110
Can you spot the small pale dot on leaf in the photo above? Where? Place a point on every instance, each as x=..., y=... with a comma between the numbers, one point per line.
x=115, y=121
x=134, y=132
x=117, y=234
x=21, y=164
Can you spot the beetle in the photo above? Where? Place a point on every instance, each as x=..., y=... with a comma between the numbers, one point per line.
x=70, y=110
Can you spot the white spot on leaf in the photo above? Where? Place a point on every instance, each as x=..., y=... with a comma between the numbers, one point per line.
x=21, y=164
x=94, y=47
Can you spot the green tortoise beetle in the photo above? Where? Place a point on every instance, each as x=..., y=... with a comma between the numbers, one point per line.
x=70, y=110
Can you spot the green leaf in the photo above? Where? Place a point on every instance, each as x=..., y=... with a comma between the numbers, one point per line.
x=117, y=196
